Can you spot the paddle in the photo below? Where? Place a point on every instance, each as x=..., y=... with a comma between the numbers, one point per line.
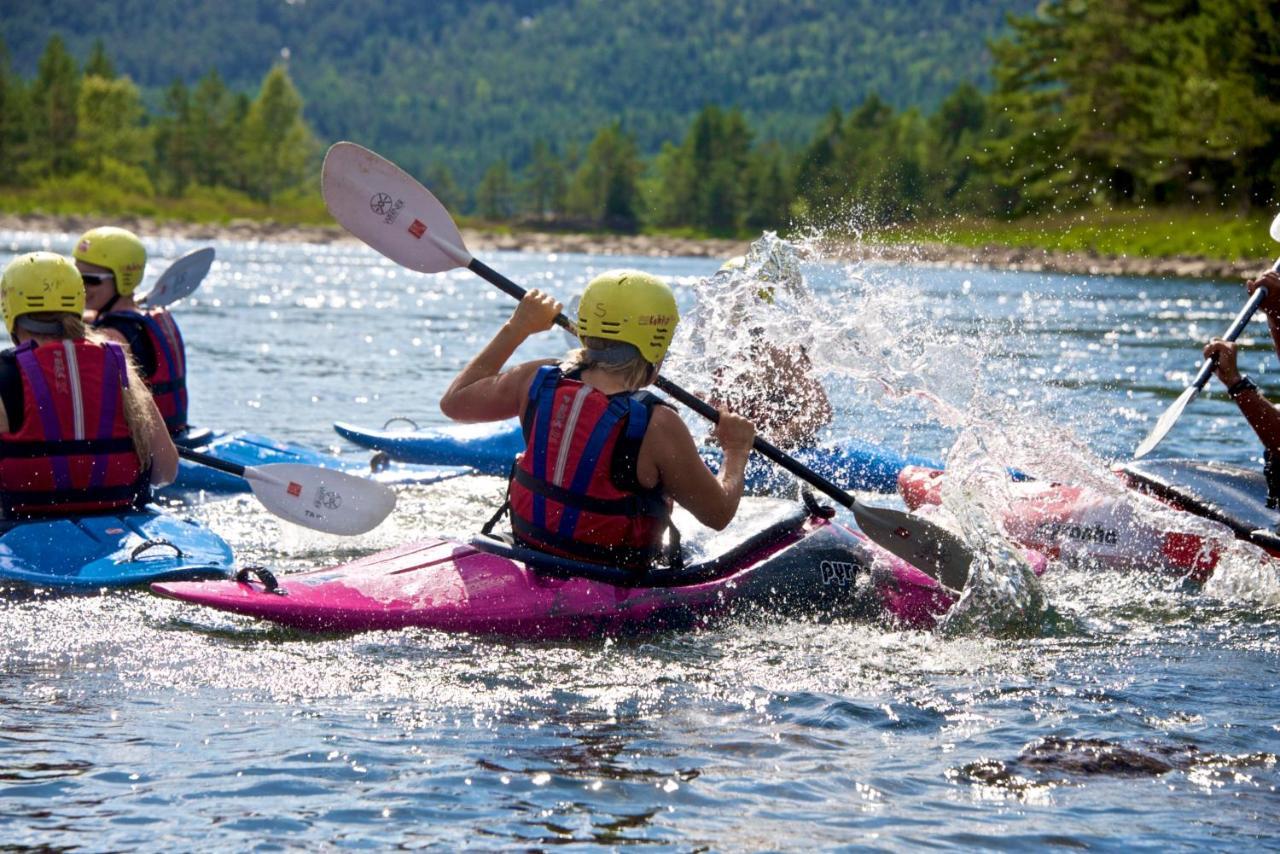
x=390, y=211
x=1171, y=415
x=322, y=499
x=181, y=279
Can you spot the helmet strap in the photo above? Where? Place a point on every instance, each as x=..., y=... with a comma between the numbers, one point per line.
x=115, y=297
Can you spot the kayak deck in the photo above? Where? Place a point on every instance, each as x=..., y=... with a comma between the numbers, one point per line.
x=113, y=550
x=1230, y=494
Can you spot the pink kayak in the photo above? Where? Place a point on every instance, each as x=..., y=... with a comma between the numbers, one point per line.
x=795, y=560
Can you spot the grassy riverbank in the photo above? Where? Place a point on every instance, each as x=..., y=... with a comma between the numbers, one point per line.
x=1151, y=242
x=1133, y=233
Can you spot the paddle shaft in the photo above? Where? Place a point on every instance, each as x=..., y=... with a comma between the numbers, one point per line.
x=211, y=462
x=699, y=406
x=1232, y=333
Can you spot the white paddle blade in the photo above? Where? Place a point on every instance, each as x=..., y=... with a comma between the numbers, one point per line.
x=322, y=499
x=384, y=206
x=181, y=279
x=1166, y=422
x=1275, y=229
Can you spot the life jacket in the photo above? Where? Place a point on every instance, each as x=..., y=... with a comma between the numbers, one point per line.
x=168, y=382
x=73, y=453
x=574, y=490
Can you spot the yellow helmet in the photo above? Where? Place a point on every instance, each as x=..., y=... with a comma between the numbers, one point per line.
x=630, y=306
x=118, y=250
x=40, y=282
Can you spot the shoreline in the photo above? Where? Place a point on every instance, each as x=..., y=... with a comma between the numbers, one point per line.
x=1020, y=259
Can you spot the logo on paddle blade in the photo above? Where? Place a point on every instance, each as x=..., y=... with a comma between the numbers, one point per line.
x=380, y=204
x=294, y=489
x=327, y=498
x=418, y=228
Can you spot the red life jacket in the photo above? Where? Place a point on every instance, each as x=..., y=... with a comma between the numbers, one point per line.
x=73, y=453
x=574, y=490
x=168, y=382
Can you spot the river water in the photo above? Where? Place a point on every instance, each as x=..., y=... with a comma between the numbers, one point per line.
x=1131, y=712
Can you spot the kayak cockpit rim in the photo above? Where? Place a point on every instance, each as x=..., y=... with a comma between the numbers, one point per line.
x=705, y=569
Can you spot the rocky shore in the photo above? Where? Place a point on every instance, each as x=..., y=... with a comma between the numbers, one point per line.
x=927, y=254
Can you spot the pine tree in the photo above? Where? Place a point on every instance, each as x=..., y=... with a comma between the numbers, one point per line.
x=277, y=144
x=54, y=98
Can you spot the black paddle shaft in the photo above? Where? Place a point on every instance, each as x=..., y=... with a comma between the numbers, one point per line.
x=1237, y=326
x=211, y=462
x=699, y=406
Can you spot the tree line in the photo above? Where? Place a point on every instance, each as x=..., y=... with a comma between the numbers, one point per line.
x=1142, y=102
x=88, y=129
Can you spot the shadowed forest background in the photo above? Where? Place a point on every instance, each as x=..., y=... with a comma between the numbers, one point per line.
x=716, y=118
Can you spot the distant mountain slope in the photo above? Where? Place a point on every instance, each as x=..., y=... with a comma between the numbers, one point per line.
x=465, y=83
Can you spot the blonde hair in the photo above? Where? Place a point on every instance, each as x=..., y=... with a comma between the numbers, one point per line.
x=635, y=372
x=138, y=408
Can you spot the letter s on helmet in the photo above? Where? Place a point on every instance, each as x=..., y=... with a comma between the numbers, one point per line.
x=40, y=282
x=631, y=306
x=118, y=250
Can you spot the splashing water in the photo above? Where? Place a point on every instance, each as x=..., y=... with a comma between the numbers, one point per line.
x=929, y=368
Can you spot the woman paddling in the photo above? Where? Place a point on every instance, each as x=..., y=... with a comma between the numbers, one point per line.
x=112, y=261
x=602, y=462
x=79, y=433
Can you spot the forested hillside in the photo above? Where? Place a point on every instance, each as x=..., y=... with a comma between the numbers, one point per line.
x=465, y=84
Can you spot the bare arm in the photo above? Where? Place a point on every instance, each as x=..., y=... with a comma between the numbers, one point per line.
x=1262, y=416
x=164, y=454
x=482, y=391
x=1271, y=305
x=669, y=447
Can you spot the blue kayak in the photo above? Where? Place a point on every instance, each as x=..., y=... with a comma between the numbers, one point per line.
x=490, y=448
x=250, y=449
x=111, y=550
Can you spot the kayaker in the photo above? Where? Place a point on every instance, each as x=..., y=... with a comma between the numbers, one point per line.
x=775, y=387
x=1262, y=415
x=112, y=261
x=602, y=462
x=79, y=432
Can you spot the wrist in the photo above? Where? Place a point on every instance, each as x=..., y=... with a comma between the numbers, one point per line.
x=1242, y=385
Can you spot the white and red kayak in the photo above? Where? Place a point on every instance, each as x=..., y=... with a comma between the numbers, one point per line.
x=779, y=557
x=1124, y=530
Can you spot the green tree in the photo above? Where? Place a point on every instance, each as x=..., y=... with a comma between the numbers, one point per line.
x=54, y=98
x=214, y=124
x=14, y=120
x=605, y=188
x=175, y=160
x=109, y=123
x=545, y=183
x=496, y=195
x=99, y=64
x=277, y=144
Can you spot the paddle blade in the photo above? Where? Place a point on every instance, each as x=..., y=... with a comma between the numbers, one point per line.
x=384, y=206
x=1275, y=230
x=322, y=499
x=181, y=279
x=1166, y=422
x=926, y=546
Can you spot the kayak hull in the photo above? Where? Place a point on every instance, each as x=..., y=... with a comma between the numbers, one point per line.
x=490, y=448
x=252, y=449
x=1081, y=526
x=113, y=550
x=803, y=564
